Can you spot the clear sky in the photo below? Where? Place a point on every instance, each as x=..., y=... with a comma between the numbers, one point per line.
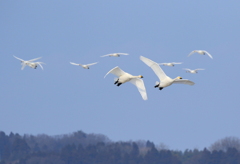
x=63, y=98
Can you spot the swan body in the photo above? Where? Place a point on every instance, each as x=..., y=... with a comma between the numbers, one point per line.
x=124, y=77
x=201, y=52
x=30, y=63
x=169, y=64
x=165, y=81
x=85, y=66
x=192, y=70
x=115, y=54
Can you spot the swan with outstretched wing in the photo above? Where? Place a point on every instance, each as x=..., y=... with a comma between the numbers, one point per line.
x=165, y=80
x=201, y=52
x=30, y=63
x=86, y=66
x=115, y=54
x=124, y=77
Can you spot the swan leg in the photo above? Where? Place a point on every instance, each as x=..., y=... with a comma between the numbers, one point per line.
x=156, y=86
x=119, y=84
x=160, y=88
x=116, y=82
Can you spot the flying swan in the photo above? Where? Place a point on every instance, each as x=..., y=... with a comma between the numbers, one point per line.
x=124, y=77
x=192, y=70
x=201, y=52
x=30, y=63
x=165, y=81
x=169, y=64
x=115, y=54
x=86, y=66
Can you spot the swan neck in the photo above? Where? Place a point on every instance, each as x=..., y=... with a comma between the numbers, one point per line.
x=136, y=76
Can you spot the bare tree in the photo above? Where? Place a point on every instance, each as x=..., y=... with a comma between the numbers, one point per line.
x=225, y=143
x=162, y=146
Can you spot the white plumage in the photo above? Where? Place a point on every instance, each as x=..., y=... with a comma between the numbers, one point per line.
x=192, y=70
x=115, y=54
x=30, y=63
x=165, y=81
x=124, y=77
x=169, y=64
x=201, y=52
x=86, y=66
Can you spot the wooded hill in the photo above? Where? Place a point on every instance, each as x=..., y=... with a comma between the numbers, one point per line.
x=82, y=148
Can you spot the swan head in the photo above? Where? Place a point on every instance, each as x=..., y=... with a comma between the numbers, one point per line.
x=140, y=76
x=179, y=77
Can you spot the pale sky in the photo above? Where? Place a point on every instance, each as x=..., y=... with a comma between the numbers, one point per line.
x=63, y=98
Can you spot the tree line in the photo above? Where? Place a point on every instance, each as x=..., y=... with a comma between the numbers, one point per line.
x=82, y=148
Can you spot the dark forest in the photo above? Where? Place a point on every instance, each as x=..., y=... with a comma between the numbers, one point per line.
x=82, y=148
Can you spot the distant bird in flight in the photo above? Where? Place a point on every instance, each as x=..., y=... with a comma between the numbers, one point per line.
x=201, y=52
x=165, y=81
x=86, y=66
x=30, y=63
x=192, y=70
x=169, y=64
x=124, y=77
x=115, y=54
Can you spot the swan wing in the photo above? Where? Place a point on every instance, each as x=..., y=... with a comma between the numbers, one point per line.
x=155, y=67
x=122, y=53
x=161, y=63
x=192, y=53
x=91, y=64
x=40, y=64
x=208, y=54
x=176, y=62
x=18, y=58
x=116, y=71
x=23, y=66
x=187, y=69
x=183, y=81
x=74, y=63
x=34, y=59
x=106, y=55
x=199, y=69
x=140, y=86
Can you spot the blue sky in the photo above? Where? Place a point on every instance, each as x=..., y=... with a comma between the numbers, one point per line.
x=64, y=98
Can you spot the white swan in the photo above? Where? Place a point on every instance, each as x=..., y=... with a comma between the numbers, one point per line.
x=192, y=70
x=30, y=63
x=115, y=54
x=169, y=64
x=201, y=52
x=124, y=77
x=86, y=66
x=165, y=81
